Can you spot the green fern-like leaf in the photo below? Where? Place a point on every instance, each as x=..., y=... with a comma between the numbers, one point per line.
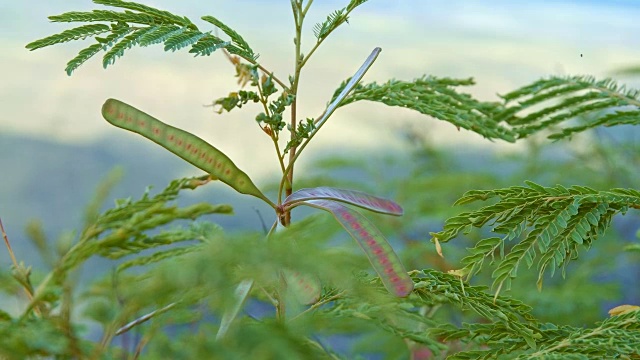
x=436, y=97
x=179, y=41
x=602, y=102
x=106, y=16
x=554, y=221
x=164, y=16
x=127, y=42
x=628, y=117
x=122, y=230
x=354, y=4
x=334, y=20
x=207, y=45
x=79, y=33
x=235, y=37
x=615, y=337
x=162, y=27
x=103, y=44
x=84, y=55
x=157, y=257
x=160, y=34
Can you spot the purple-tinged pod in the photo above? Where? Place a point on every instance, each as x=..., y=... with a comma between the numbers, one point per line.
x=184, y=144
x=347, y=89
x=381, y=255
x=353, y=197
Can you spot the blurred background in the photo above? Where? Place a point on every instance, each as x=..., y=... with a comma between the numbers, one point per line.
x=55, y=147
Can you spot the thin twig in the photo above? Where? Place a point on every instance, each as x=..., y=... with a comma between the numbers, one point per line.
x=141, y=344
x=15, y=263
x=143, y=318
x=318, y=304
x=6, y=241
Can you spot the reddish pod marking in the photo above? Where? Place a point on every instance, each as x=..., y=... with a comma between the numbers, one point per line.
x=197, y=151
x=380, y=254
x=357, y=198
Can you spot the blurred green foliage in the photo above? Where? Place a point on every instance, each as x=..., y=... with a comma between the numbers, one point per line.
x=174, y=276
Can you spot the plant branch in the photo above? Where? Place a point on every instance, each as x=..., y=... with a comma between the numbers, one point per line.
x=298, y=15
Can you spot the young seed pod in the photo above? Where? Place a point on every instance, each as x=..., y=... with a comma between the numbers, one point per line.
x=352, y=197
x=186, y=145
x=381, y=255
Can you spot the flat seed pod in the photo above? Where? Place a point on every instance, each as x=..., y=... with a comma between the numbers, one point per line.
x=186, y=145
x=353, y=197
x=381, y=255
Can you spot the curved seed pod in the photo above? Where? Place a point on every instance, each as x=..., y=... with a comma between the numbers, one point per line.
x=186, y=145
x=306, y=287
x=347, y=88
x=353, y=197
x=381, y=255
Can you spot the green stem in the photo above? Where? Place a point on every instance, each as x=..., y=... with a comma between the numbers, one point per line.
x=332, y=108
x=298, y=15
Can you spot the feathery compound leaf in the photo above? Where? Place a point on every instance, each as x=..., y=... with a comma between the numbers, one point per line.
x=334, y=20
x=131, y=237
x=615, y=337
x=157, y=257
x=107, y=16
x=81, y=32
x=162, y=15
x=127, y=42
x=207, y=45
x=437, y=98
x=160, y=34
x=560, y=99
x=120, y=231
x=354, y=4
x=186, y=145
x=510, y=318
x=381, y=255
x=235, y=37
x=84, y=55
x=103, y=44
x=186, y=38
x=556, y=221
x=630, y=117
x=352, y=197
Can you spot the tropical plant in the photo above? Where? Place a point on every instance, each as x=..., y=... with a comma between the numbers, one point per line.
x=207, y=280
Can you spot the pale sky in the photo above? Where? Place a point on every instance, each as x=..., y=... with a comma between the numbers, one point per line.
x=502, y=44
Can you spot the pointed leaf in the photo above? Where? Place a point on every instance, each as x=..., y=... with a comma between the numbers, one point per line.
x=381, y=255
x=235, y=37
x=80, y=32
x=186, y=145
x=353, y=197
x=241, y=293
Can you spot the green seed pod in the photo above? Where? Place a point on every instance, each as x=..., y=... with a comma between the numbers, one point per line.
x=186, y=145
